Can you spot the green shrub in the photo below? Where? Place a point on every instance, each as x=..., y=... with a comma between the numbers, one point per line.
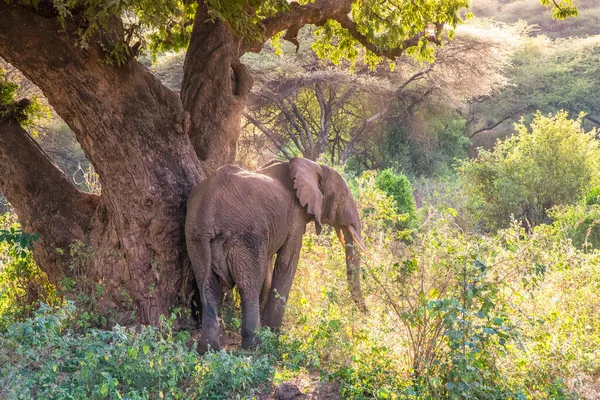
x=592, y=196
x=554, y=162
x=398, y=186
x=43, y=357
x=23, y=286
x=578, y=222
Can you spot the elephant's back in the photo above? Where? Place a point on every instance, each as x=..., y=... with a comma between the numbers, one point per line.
x=237, y=198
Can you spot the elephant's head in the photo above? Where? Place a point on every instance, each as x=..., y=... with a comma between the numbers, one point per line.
x=327, y=198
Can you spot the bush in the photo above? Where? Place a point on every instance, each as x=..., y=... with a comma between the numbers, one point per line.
x=580, y=223
x=554, y=162
x=23, y=286
x=443, y=322
x=398, y=186
x=43, y=357
x=592, y=196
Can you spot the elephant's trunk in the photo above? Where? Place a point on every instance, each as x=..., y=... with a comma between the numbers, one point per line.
x=351, y=240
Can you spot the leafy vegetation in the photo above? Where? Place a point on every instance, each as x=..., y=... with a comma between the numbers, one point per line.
x=546, y=75
x=399, y=188
x=553, y=162
x=23, y=287
x=49, y=360
x=453, y=314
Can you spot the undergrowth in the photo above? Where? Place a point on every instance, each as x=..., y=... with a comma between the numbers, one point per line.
x=453, y=314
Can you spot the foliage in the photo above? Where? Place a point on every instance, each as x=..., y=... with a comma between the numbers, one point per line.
x=431, y=154
x=23, y=286
x=546, y=75
x=386, y=203
x=23, y=112
x=383, y=24
x=453, y=315
x=398, y=186
x=592, y=196
x=43, y=357
x=578, y=222
x=553, y=162
x=560, y=340
x=452, y=310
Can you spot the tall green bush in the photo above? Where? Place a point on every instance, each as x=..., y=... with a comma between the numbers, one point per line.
x=399, y=187
x=551, y=162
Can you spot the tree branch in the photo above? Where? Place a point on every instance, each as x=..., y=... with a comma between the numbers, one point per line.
x=307, y=139
x=269, y=134
x=391, y=54
x=318, y=13
x=489, y=127
x=415, y=77
x=595, y=121
x=45, y=200
x=358, y=132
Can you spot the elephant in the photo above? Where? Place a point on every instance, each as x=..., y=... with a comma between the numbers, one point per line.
x=238, y=221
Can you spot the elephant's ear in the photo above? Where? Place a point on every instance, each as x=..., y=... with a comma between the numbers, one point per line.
x=307, y=176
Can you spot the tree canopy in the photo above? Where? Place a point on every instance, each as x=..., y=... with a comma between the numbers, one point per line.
x=346, y=27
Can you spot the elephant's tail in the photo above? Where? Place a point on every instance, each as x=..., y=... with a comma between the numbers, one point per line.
x=200, y=255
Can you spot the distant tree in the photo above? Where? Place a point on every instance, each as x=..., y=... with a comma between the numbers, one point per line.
x=321, y=114
x=545, y=75
x=318, y=110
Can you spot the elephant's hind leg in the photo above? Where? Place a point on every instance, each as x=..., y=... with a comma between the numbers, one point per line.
x=249, y=276
x=210, y=322
x=266, y=287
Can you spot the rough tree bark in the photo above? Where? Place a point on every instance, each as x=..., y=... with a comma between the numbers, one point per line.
x=132, y=129
x=215, y=105
x=42, y=190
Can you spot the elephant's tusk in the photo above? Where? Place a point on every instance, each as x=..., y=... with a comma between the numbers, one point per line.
x=358, y=242
x=340, y=236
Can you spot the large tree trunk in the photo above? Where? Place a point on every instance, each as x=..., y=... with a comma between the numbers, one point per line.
x=215, y=90
x=133, y=131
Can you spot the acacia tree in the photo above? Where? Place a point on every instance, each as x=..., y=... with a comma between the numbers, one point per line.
x=323, y=113
x=319, y=110
x=149, y=145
